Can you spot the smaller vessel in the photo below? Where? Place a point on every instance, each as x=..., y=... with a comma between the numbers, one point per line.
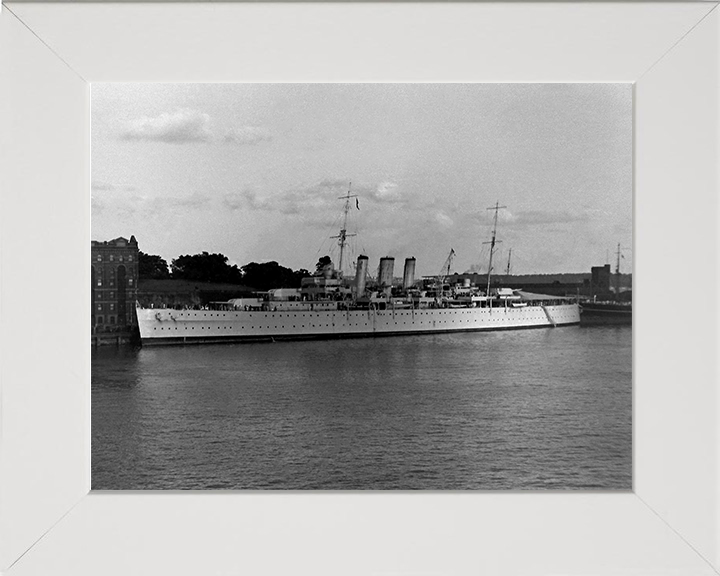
x=606, y=313
x=613, y=311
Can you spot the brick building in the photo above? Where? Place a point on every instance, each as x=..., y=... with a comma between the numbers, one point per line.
x=114, y=284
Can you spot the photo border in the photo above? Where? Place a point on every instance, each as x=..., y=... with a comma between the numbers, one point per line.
x=49, y=53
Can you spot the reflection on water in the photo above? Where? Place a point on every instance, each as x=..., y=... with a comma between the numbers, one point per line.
x=545, y=408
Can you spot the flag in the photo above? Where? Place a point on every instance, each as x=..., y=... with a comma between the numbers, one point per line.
x=357, y=203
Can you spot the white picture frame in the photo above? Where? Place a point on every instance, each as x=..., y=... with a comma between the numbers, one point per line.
x=50, y=523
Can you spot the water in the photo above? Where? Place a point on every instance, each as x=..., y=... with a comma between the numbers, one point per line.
x=529, y=409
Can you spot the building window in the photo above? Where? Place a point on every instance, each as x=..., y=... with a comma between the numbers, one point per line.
x=99, y=281
x=130, y=281
x=121, y=258
x=112, y=306
x=129, y=257
x=99, y=307
x=112, y=319
x=112, y=295
x=99, y=319
x=99, y=258
x=112, y=258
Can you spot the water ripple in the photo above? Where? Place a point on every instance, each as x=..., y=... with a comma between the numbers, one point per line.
x=539, y=409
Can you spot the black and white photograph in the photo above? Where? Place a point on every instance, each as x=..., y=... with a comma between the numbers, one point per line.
x=361, y=286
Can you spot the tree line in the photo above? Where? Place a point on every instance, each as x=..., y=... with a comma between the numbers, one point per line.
x=206, y=267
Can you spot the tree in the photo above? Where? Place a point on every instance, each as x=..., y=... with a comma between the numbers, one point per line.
x=152, y=267
x=299, y=275
x=269, y=275
x=206, y=267
x=322, y=263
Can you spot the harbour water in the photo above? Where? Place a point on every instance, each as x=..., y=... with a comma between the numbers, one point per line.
x=516, y=410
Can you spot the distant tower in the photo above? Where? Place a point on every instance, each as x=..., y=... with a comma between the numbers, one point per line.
x=600, y=279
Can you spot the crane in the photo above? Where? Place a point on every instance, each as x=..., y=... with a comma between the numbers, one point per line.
x=444, y=272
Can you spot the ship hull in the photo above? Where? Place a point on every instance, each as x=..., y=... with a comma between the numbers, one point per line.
x=592, y=313
x=167, y=326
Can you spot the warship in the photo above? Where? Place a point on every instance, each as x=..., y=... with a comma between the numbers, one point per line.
x=328, y=305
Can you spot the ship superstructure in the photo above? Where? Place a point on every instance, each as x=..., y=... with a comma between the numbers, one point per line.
x=329, y=305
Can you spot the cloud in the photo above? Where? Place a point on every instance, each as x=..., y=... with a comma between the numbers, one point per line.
x=250, y=199
x=386, y=190
x=444, y=220
x=247, y=135
x=134, y=205
x=235, y=201
x=106, y=187
x=381, y=192
x=307, y=199
x=97, y=205
x=178, y=127
x=290, y=202
x=185, y=126
x=341, y=185
x=118, y=206
x=530, y=218
x=193, y=201
x=504, y=215
x=538, y=217
x=317, y=202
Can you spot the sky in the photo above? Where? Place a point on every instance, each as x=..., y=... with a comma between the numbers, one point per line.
x=255, y=172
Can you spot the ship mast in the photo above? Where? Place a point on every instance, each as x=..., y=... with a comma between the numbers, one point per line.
x=492, y=243
x=343, y=236
x=617, y=274
x=507, y=272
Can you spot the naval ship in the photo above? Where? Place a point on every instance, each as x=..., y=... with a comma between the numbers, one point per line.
x=327, y=305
